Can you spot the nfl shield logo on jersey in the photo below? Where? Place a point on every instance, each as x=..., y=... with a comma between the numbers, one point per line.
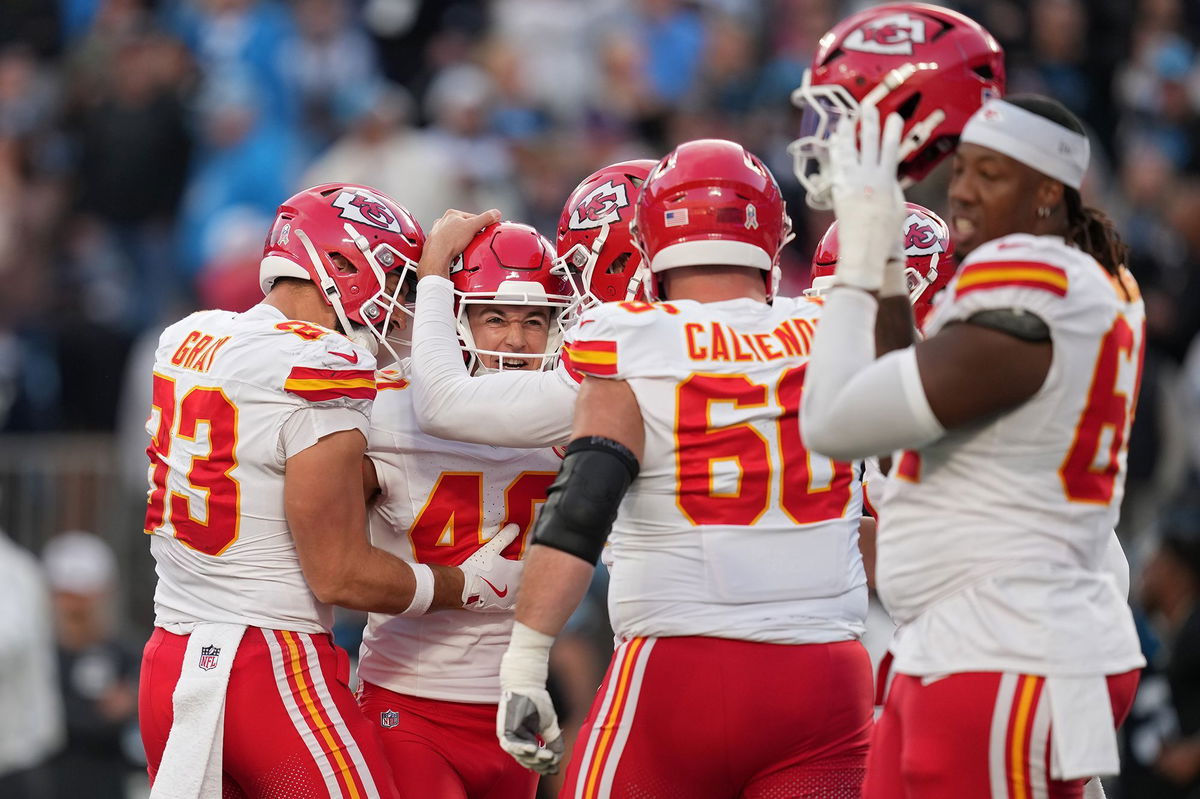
x=389, y=719
x=208, y=657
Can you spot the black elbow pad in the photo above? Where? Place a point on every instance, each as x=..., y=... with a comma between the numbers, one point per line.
x=582, y=502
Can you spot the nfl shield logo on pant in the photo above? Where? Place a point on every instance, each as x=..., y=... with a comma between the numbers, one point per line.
x=389, y=719
x=208, y=657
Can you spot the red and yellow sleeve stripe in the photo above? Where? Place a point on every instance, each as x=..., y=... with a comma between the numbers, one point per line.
x=317, y=385
x=597, y=358
x=1007, y=274
x=390, y=383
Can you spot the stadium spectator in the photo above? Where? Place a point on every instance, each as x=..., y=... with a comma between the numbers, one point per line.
x=31, y=708
x=97, y=670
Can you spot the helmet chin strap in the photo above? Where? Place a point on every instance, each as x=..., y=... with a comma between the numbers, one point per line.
x=920, y=133
x=364, y=336
x=326, y=284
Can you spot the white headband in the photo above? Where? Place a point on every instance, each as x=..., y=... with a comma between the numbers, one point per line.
x=1035, y=141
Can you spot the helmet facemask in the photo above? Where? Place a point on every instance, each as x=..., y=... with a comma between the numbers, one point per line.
x=578, y=266
x=824, y=106
x=519, y=294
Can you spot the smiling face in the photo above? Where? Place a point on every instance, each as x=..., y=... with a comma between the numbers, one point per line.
x=992, y=195
x=521, y=329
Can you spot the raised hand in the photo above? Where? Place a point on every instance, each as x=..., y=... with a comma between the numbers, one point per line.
x=448, y=237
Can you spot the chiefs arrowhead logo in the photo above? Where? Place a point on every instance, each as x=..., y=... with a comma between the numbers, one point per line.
x=922, y=236
x=892, y=34
x=601, y=206
x=366, y=209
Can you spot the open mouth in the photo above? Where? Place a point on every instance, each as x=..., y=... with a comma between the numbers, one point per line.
x=507, y=362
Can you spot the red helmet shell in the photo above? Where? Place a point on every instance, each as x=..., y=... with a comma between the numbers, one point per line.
x=710, y=201
x=929, y=258
x=933, y=66
x=373, y=232
x=593, y=232
x=507, y=251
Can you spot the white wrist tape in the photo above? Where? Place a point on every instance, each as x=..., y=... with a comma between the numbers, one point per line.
x=423, y=592
x=526, y=663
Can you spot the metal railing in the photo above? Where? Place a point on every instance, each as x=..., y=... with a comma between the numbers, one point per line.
x=50, y=483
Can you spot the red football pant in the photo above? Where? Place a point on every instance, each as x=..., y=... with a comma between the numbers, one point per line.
x=984, y=735
x=444, y=749
x=292, y=727
x=692, y=718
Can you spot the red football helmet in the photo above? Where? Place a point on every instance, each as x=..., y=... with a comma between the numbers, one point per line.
x=933, y=66
x=376, y=236
x=928, y=264
x=508, y=263
x=711, y=201
x=594, y=244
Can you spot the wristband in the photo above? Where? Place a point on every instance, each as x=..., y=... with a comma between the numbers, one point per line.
x=422, y=591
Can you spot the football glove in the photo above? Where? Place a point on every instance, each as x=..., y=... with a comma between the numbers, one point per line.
x=526, y=723
x=490, y=580
x=868, y=201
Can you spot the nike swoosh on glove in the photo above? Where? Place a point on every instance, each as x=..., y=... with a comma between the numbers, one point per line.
x=490, y=580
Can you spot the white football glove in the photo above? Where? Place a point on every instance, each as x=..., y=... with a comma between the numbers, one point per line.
x=868, y=201
x=526, y=723
x=490, y=580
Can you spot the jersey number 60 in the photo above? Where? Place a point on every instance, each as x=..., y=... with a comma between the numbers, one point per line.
x=805, y=496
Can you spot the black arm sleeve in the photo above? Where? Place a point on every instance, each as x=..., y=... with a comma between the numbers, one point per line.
x=582, y=502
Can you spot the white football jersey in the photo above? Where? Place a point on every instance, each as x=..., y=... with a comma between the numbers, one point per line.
x=440, y=501
x=226, y=387
x=732, y=529
x=993, y=539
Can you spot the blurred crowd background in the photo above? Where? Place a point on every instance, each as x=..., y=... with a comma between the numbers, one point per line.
x=144, y=146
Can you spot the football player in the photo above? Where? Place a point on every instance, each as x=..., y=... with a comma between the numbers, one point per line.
x=735, y=565
x=526, y=408
x=1017, y=656
x=932, y=66
x=431, y=681
x=258, y=430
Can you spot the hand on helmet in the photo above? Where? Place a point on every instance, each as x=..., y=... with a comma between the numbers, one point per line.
x=448, y=237
x=867, y=200
x=490, y=580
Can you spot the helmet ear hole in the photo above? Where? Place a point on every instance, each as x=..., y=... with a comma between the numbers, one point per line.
x=342, y=264
x=618, y=264
x=909, y=106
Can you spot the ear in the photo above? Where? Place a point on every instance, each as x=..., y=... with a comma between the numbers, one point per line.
x=1049, y=194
